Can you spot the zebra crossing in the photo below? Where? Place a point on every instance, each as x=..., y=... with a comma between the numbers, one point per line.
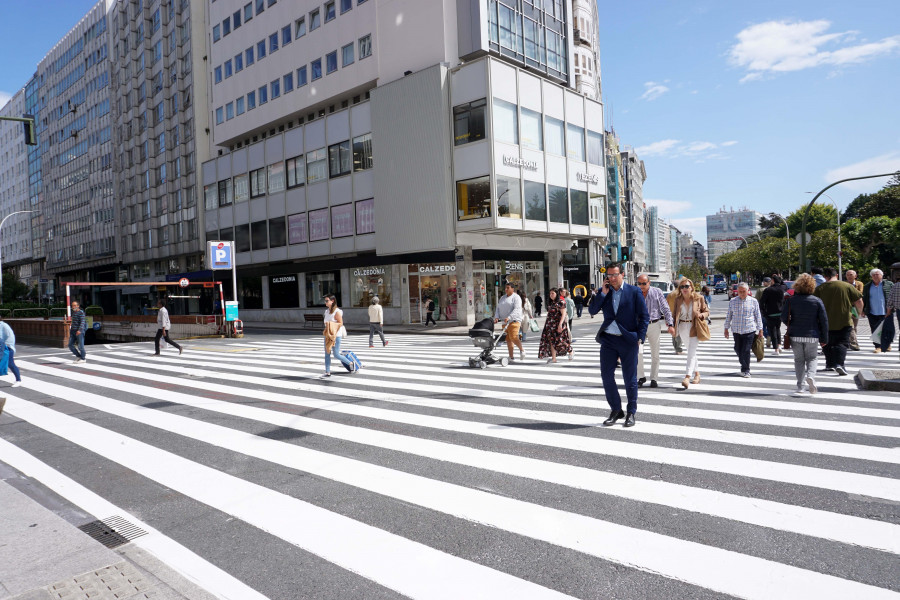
x=420, y=477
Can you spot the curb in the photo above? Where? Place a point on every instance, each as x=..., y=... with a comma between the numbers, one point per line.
x=867, y=380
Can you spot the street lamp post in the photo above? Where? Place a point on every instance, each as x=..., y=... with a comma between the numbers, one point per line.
x=18, y=212
x=838, y=211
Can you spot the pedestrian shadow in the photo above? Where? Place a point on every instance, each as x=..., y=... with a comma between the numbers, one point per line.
x=160, y=404
x=284, y=434
x=542, y=426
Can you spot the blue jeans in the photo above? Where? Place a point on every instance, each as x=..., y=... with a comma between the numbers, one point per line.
x=12, y=364
x=77, y=337
x=336, y=350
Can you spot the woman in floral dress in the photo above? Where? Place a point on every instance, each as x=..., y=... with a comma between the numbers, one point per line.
x=555, y=337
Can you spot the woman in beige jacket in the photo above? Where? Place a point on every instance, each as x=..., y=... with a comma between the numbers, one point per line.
x=689, y=307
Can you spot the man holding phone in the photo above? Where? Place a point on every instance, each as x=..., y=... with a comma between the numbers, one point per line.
x=625, y=321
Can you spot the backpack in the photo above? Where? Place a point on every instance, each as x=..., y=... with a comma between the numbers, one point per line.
x=355, y=364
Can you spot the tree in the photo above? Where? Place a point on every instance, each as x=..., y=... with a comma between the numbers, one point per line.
x=821, y=216
x=876, y=240
x=693, y=271
x=13, y=289
x=883, y=203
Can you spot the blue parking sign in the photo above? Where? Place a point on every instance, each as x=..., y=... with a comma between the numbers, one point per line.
x=220, y=256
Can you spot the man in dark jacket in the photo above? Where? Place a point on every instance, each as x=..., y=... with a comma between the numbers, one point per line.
x=875, y=301
x=770, y=303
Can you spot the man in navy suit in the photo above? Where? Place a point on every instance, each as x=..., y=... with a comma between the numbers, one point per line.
x=625, y=321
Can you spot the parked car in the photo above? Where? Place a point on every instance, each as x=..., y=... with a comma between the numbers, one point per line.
x=734, y=288
x=790, y=288
x=721, y=288
x=666, y=286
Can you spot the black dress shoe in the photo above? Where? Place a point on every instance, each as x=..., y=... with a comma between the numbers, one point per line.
x=653, y=383
x=629, y=420
x=642, y=381
x=613, y=417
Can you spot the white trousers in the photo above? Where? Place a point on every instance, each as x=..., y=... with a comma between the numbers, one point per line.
x=653, y=331
x=692, y=363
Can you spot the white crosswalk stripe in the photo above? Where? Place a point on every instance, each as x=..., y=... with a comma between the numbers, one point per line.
x=518, y=450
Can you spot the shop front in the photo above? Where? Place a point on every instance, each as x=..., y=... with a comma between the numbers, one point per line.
x=490, y=277
x=368, y=282
x=432, y=281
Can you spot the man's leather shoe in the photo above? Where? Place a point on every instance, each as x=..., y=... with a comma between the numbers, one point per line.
x=613, y=417
x=653, y=383
x=629, y=420
x=642, y=381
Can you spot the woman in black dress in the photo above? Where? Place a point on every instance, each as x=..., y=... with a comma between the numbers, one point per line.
x=555, y=337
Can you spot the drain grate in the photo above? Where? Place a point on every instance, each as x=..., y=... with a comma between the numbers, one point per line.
x=113, y=531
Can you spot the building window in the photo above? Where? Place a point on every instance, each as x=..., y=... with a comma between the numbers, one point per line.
x=250, y=292
x=288, y=81
x=559, y=204
x=346, y=5
x=251, y=100
x=300, y=27
x=273, y=43
x=226, y=26
x=217, y=33
x=277, y=233
x=260, y=6
x=248, y=11
x=248, y=54
x=239, y=105
x=578, y=203
x=297, y=229
x=220, y=116
x=554, y=136
x=468, y=122
x=339, y=159
x=284, y=291
x=236, y=17
x=473, y=198
x=509, y=197
x=261, y=49
x=365, y=216
x=575, y=139
x=286, y=37
x=263, y=94
x=296, y=171
x=347, y=56
x=330, y=12
x=532, y=132
x=316, y=165
x=319, y=285
x=331, y=63
x=210, y=197
x=229, y=111
x=318, y=225
x=241, y=188
x=301, y=76
x=238, y=63
x=506, y=122
x=225, y=192
x=259, y=235
x=315, y=19
x=217, y=75
x=595, y=148
x=316, y=68
x=342, y=221
x=365, y=46
x=362, y=152
x=598, y=210
x=535, y=201
x=257, y=183
x=276, y=177
x=366, y=282
x=228, y=71
x=276, y=88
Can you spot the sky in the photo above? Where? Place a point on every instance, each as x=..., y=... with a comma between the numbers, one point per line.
x=752, y=104
x=729, y=104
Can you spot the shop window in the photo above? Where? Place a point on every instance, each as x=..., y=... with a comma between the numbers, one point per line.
x=554, y=136
x=532, y=133
x=535, y=201
x=362, y=152
x=509, y=197
x=578, y=202
x=296, y=171
x=276, y=177
x=468, y=122
x=473, y=198
x=339, y=159
x=367, y=282
x=257, y=183
x=559, y=204
x=277, y=235
x=575, y=140
x=297, y=228
x=241, y=188
x=342, y=220
x=284, y=291
x=318, y=225
x=242, y=238
x=316, y=166
x=365, y=216
x=506, y=122
x=595, y=148
x=259, y=235
x=225, y=193
x=250, y=292
x=319, y=285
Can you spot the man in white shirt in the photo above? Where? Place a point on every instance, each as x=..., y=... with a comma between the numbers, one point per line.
x=509, y=310
x=376, y=322
x=162, y=321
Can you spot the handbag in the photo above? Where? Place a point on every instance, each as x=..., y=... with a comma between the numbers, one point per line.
x=702, y=328
x=533, y=326
x=759, y=348
x=786, y=342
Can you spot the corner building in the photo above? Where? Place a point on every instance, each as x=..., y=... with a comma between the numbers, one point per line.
x=401, y=148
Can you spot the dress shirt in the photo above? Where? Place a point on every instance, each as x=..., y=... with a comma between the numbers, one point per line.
x=743, y=315
x=509, y=307
x=657, y=306
x=613, y=328
x=876, y=299
x=894, y=300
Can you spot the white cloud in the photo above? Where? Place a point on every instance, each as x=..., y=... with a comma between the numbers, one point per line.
x=675, y=148
x=728, y=143
x=656, y=148
x=669, y=208
x=694, y=225
x=653, y=90
x=885, y=163
x=4, y=98
x=784, y=46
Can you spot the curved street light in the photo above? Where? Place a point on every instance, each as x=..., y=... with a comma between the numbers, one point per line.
x=18, y=212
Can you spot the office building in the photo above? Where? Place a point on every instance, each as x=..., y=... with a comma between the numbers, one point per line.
x=659, y=242
x=634, y=174
x=728, y=229
x=406, y=149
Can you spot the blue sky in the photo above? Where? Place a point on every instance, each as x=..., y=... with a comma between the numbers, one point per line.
x=729, y=103
x=753, y=103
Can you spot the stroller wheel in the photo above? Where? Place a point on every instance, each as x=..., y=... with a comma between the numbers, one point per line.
x=482, y=364
x=504, y=361
x=472, y=363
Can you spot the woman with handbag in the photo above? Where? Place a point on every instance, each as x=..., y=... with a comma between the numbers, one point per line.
x=691, y=312
x=527, y=314
x=807, y=327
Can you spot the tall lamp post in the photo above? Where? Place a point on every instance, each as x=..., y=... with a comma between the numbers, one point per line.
x=840, y=254
x=18, y=212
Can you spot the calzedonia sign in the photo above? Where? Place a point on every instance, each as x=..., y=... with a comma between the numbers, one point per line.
x=437, y=268
x=369, y=271
x=587, y=178
x=515, y=161
x=285, y=279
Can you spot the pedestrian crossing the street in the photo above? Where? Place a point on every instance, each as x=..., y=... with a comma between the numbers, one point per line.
x=420, y=477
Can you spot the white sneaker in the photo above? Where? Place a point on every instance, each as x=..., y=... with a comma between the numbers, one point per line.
x=76, y=361
x=17, y=384
x=799, y=394
x=812, y=385
x=83, y=360
x=521, y=355
x=745, y=375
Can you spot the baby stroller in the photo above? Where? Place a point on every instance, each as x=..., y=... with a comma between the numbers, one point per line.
x=483, y=337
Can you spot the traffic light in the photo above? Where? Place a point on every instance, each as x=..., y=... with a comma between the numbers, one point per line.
x=626, y=254
x=28, y=127
x=612, y=254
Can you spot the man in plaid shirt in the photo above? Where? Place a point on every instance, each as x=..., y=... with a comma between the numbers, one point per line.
x=893, y=303
x=745, y=321
x=76, y=333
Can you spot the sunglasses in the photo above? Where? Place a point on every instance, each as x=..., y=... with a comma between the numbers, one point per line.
x=685, y=287
x=643, y=283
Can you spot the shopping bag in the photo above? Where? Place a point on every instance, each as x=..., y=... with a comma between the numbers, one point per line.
x=759, y=348
x=702, y=327
x=876, y=335
x=533, y=326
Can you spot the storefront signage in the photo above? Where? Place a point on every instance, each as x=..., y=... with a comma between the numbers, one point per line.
x=587, y=178
x=515, y=161
x=437, y=268
x=285, y=279
x=515, y=267
x=368, y=271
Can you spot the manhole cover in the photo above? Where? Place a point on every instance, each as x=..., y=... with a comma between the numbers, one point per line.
x=112, y=532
